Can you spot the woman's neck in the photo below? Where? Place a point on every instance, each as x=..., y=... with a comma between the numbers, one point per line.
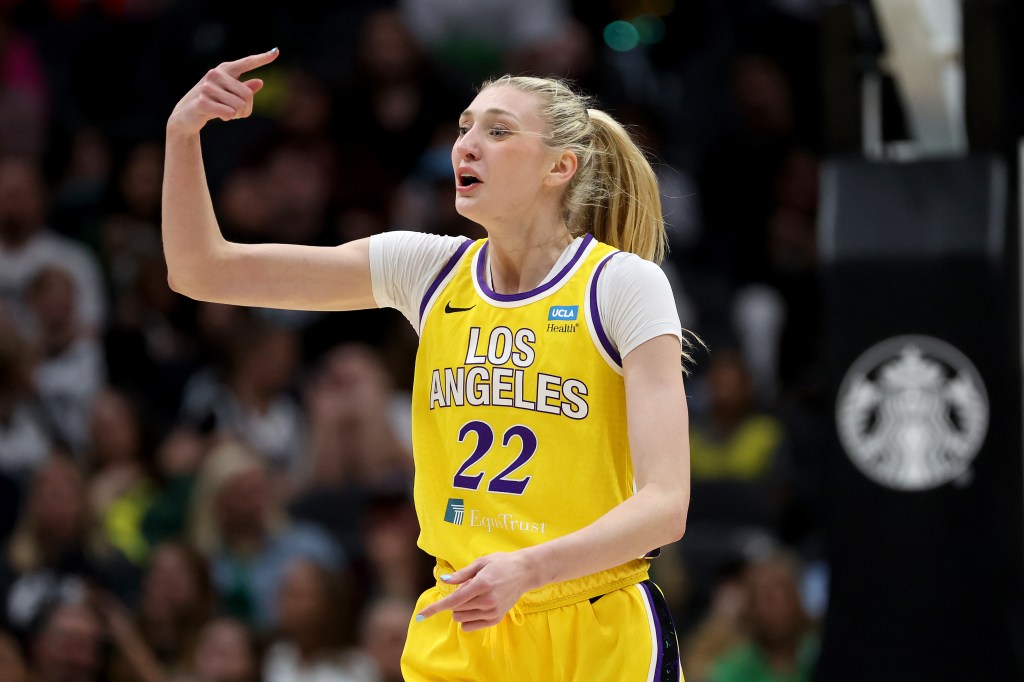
x=520, y=260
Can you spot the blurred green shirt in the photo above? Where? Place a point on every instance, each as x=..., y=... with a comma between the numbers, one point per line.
x=744, y=663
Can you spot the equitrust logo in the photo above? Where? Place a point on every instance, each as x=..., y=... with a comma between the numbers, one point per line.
x=454, y=511
x=457, y=514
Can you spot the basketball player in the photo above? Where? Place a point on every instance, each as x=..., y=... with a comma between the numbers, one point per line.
x=549, y=419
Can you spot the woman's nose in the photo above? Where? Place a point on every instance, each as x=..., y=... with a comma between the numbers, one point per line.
x=465, y=147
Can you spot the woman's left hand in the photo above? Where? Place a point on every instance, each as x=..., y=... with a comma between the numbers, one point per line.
x=488, y=588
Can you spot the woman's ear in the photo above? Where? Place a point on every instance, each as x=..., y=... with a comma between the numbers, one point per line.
x=562, y=170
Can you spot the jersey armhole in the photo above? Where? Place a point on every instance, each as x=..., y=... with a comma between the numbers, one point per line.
x=442, y=278
x=597, y=333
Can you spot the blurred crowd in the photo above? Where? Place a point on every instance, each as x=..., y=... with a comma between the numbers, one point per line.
x=199, y=492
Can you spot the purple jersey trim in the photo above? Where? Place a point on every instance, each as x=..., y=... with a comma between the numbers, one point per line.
x=657, y=628
x=596, y=318
x=510, y=298
x=441, y=275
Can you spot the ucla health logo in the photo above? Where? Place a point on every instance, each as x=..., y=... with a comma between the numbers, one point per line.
x=563, y=312
x=455, y=510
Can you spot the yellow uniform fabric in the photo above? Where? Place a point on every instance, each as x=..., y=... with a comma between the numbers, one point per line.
x=519, y=426
x=520, y=437
x=615, y=638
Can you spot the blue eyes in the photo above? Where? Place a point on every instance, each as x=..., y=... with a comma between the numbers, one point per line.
x=493, y=132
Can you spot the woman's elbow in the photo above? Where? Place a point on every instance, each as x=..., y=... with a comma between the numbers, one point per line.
x=673, y=518
x=177, y=284
x=172, y=283
x=676, y=525
x=186, y=286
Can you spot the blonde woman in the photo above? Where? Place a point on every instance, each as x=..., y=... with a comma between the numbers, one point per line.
x=549, y=419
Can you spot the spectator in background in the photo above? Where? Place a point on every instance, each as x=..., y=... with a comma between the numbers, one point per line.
x=78, y=195
x=736, y=452
x=394, y=102
x=308, y=109
x=316, y=631
x=67, y=644
x=298, y=187
x=129, y=230
x=781, y=644
x=150, y=344
x=26, y=435
x=793, y=256
x=175, y=602
x=567, y=52
x=360, y=220
x=423, y=201
x=359, y=442
x=740, y=475
x=744, y=164
x=396, y=567
x=477, y=35
x=12, y=662
x=71, y=369
x=238, y=523
x=26, y=246
x=121, y=487
x=24, y=92
x=358, y=425
x=162, y=639
x=721, y=628
x=249, y=401
x=244, y=204
x=178, y=460
x=55, y=551
x=382, y=634
x=227, y=652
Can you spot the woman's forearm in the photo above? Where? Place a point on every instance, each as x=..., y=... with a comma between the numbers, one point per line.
x=200, y=263
x=653, y=517
x=659, y=437
x=191, y=236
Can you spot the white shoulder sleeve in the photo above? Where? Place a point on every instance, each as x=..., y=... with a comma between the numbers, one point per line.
x=402, y=266
x=635, y=302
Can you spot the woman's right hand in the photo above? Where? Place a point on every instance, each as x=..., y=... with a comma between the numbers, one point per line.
x=201, y=264
x=220, y=94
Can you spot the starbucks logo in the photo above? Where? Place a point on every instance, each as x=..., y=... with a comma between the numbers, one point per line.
x=912, y=413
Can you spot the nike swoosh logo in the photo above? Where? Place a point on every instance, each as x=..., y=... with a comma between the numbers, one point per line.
x=449, y=309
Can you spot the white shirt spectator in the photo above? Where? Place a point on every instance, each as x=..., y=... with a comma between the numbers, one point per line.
x=24, y=443
x=66, y=385
x=282, y=664
x=19, y=266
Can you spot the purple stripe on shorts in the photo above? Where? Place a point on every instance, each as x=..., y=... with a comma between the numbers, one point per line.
x=605, y=341
x=657, y=628
x=509, y=298
x=441, y=275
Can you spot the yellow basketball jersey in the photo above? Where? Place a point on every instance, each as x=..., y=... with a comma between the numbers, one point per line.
x=519, y=411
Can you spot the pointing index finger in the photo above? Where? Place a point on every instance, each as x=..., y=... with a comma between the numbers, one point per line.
x=460, y=596
x=240, y=66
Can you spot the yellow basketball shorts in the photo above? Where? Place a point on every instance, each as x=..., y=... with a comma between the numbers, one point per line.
x=626, y=635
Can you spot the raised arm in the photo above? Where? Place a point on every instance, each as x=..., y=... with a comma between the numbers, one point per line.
x=202, y=264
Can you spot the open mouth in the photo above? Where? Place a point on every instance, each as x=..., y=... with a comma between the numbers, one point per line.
x=468, y=180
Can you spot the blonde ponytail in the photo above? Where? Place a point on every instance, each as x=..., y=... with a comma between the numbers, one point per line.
x=629, y=217
x=614, y=193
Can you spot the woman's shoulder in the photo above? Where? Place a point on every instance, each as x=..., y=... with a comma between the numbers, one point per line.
x=408, y=240
x=628, y=269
